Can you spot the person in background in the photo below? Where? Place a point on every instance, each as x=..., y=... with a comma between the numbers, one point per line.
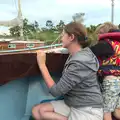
x=79, y=83
x=108, y=52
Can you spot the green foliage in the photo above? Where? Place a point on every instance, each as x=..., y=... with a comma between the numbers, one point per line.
x=50, y=32
x=60, y=26
x=15, y=31
x=32, y=31
x=119, y=26
x=49, y=24
x=28, y=29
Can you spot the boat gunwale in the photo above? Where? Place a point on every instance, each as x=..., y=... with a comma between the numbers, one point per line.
x=28, y=49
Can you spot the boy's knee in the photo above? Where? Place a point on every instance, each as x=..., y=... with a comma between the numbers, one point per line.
x=35, y=112
x=38, y=111
x=34, y=109
x=117, y=113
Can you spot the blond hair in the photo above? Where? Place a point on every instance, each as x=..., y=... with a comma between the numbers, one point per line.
x=105, y=27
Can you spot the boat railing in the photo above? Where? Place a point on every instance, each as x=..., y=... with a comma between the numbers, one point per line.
x=31, y=49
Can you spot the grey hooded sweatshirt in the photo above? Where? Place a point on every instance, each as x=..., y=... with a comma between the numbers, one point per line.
x=79, y=84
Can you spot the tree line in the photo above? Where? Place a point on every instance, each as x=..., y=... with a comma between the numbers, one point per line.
x=51, y=31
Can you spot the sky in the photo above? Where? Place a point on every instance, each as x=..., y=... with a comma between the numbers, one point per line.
x=96, y=11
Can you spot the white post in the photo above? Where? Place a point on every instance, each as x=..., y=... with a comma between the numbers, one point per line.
x=112, y=11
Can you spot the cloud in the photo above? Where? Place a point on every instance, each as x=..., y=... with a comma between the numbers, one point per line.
x=96, y=11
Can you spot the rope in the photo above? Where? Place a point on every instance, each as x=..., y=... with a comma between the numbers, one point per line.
x=55, y=40
x=15, y=4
